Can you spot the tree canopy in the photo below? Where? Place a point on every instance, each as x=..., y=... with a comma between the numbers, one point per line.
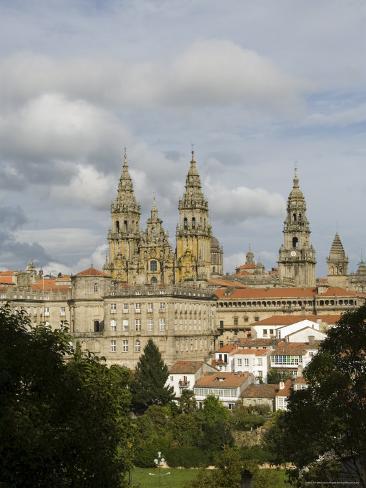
x=63, y=415
x=327, y=421
x=149, y=382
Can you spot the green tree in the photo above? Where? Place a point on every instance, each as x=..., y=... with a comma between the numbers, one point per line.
x=187, y=402
x=149, y=382
x=328, y=420
x=63, y=423
x=215, y=425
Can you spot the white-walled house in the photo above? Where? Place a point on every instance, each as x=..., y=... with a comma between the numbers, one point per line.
x=227, y=387
x=184, y=374
x=307, y=334
x=291, y=357
x=279, y=326
x=232, y=358
x=284, y=391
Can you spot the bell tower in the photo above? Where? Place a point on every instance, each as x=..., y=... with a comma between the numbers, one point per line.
x=124, y=235
x=296, y=263
x=337, y=263
x=193, y=233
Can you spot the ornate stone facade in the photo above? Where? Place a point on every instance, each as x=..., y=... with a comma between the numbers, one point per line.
x=146, y=257
x=297, y=255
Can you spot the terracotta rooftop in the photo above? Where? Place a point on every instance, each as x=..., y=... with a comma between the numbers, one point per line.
x=293, y=348
x=255, y=352
x=284, y=392
x=222, y=380
x=185, y=367
x=260, y=391
x=91, y=272
x=221, y=282
x=299, y=380
x=256, y=343
x=293, y=319
x=6, y=280
x=49, y=284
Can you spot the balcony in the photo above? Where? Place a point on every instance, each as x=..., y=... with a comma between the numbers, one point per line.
x=183, y=384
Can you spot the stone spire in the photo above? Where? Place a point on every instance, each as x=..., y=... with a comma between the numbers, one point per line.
x=125, y=194
x=193, y=195
x=297, y=255
x=337, y=260
x=193, y=230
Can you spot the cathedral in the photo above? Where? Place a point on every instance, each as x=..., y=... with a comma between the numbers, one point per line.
x=146, y=257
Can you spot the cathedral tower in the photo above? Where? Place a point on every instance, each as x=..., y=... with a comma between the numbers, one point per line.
x=297, y=260
x=337, y=262
x=193, y=231
x=124, y=236
x=156, y=257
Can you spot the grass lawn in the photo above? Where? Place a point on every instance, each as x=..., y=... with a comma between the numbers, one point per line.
x=177, y=478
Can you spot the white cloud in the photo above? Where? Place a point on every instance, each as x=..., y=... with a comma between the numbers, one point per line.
x=236, y=205
x=209, y=72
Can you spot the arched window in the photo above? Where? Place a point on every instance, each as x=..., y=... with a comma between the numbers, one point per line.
x=193, y=222
x=154, y=280
x=295, y=241
x=117, y=226
x=294, y=216
x=125, y=225
x=95, y=287
x=153, y=265
x=185, y=223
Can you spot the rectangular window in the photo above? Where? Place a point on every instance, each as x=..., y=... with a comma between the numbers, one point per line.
x=62, y=311
x=150, y=325
x=138, y=325
x=137, y=307
x=240, y=362
x=171, y=378
x=125, y=325
x=125, y=308
x=97, y=326
x=260, y=362
x=161, y=325
x=246, y=361
x=260, y=374
x=113, y=325
x=256, y=319
x=162, y=307
x=113, y=307
x=125, y=345
x=113, y=346
x=271, y=332
x=265, y=332
x=46, y=311
x=236, y=321
x=221, y=323
x=137, y=346
x=150, y=307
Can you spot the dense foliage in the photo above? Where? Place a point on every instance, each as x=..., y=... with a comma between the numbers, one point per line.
x=148, y=386
x=63, y=423
x=326, y=423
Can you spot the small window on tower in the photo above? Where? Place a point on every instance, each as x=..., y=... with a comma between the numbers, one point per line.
x=295, y=241
x=295, y=218
x=193, y=222
x=153, y=265
x=185, y=223
x=117, y=226
x=125, y=225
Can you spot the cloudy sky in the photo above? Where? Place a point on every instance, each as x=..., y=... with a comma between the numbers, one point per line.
x=257, y=87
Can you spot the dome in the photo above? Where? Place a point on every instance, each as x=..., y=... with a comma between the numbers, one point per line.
x=215, y=245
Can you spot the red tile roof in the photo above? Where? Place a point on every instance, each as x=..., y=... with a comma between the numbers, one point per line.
x=293, y=319
x=6, y=280
x=255, y=352
x=220, y=282
x=49, y=285
x=285, y=392
x=260, y=391
x=222, y=380
x=185, y=367
x=249, y=343
x=293, y=348
x=227, y=348
x=7, y=273
x=91, y=272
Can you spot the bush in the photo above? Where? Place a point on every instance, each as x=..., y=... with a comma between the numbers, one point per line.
x=187, y=457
